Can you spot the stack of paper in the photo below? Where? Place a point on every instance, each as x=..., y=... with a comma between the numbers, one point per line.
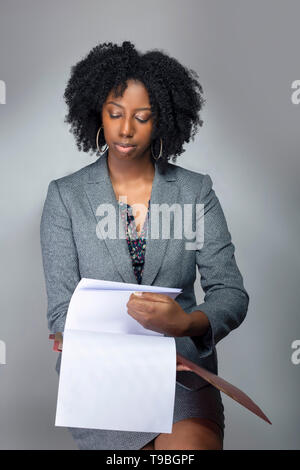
x=115, y=374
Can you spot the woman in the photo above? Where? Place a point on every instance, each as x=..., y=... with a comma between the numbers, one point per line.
x=142, y=108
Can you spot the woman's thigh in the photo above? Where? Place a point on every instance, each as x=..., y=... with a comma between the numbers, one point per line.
x=149, y=446
x=191, y=434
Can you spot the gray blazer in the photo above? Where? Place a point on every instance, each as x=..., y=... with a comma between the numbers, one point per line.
x=71, y=250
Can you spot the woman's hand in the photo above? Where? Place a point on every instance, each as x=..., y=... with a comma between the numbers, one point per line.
x=180, y=366
x=158, y=312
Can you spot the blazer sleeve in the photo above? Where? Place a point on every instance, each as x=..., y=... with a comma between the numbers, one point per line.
x=226, y=300
x=59, y=256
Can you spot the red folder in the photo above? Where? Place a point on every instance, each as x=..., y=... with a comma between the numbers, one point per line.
x=221, y=384
x=57, y=345
x=225, y=387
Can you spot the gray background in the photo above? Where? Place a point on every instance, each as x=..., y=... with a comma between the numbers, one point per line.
x=247, y=56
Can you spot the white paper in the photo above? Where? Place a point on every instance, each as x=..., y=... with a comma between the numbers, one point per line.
x=115, y=374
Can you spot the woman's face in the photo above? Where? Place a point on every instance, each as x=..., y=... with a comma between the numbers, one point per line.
x=128, y=120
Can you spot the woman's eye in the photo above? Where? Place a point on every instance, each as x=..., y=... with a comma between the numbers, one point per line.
x=114, y=116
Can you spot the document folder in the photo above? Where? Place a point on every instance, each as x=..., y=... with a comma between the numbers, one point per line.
x=221, y=384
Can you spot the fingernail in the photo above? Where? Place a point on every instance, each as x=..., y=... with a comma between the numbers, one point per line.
x=138, y=293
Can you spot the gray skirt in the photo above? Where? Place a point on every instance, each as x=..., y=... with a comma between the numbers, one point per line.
x=203, y=403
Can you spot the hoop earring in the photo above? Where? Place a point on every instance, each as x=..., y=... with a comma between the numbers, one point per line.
x=160, y=152
x=103, y=151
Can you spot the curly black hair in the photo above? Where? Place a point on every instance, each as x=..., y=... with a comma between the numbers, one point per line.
x=174, y=91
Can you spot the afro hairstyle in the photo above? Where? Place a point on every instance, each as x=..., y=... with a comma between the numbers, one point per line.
x=175, y=95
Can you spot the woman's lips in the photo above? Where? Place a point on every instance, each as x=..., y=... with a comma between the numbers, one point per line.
x=124, y=149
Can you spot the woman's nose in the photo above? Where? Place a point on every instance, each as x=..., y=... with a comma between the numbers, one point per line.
x=126, y=128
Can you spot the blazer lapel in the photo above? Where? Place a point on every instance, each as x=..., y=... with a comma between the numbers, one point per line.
x=99, y=190
x=164, y=191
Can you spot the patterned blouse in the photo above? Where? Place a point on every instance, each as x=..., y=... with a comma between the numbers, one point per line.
x=136, y=245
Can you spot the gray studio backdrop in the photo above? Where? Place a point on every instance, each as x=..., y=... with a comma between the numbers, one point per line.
x=247, y=57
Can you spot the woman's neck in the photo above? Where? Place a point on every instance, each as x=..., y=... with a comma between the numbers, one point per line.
x=130, y=172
